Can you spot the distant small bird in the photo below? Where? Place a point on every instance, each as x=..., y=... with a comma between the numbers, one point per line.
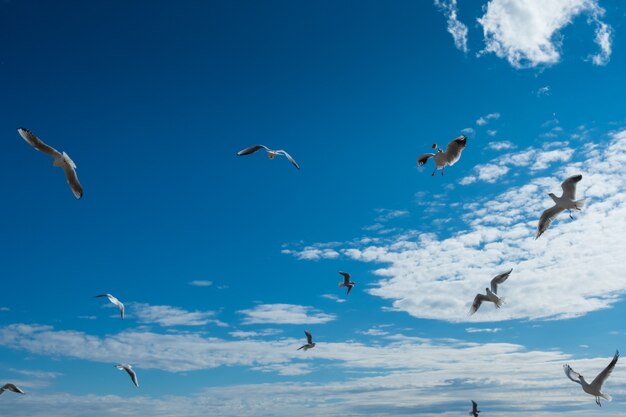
x=346, y=283
x=475, y=409
x=490, y=294
x=443, y=159
x=309, y=342
x=129, y=370
x=114, y=301
x=596, y=385
x=12, y=388
x=271, y=153
x=565, y=202
x=61, y=160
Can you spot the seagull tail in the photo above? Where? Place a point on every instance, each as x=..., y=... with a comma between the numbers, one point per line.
x=606, y=397
x=500, y=302
x=579, y=204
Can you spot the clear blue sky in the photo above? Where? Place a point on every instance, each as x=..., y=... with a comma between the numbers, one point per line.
x=152, y=100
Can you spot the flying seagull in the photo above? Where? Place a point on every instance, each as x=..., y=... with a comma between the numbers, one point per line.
x=475, y=409
x=443, y=159
x=565, y=202
x=490, y=294
x=11, y=387
x=596, y=385
x=271, y=153
x=346, y=283
x=309, y=342
x=61, y=160
x=114, y=301
x=129, y=370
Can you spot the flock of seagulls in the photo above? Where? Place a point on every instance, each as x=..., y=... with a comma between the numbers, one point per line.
x=442, y=159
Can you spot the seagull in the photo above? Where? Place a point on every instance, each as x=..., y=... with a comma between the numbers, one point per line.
x=309, y=342
x=11, y=387
x=491, y=294
x=114, y=301
x=129, y=370
x=596, y=385
x=443, y=159
x=346, y=282
x=61, y=160
x=475, y=409
x=271, y=153
x=565, y=202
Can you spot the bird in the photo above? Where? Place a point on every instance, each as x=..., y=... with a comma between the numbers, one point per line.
x=475, y=409
x=309, y=342
x=61, y=160
x=595, y=388
x=565, y=202
x=346, y=283
x=271, y=153
x=114, y=301
x=442, y=159
x=12, y=388
x=129, y=370
x=491, y=294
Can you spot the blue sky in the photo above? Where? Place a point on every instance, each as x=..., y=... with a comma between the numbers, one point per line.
x=224, y=261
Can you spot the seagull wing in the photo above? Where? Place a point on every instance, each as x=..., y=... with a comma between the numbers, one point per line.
x=293, y=161
x=251, y=149
x=129, y=371
x=569, y=186
x=13, y=387
x=478, y=300
x=454, y=149
x=72, y=180
x=346, y=278
x=602, y=376
x=546, y=219
x=499, y=279
x=349, y=289
x=309, y=337
x=571, y=374
x=37, y=143
x=474, y=407
x=421, y=160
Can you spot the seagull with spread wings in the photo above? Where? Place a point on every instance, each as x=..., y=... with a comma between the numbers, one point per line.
x=129, y=371
x=491, y=295
x=309, y=342
x=61, y=160
x=115, y=301
x=475, y=409
x=271, y=153
x=595, y=388
x=567, y=201
x=443, y=159
x=346, y=283
x=12, y=388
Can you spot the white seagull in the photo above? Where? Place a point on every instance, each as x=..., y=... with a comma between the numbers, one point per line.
x=309, y=342
x=129, y=370
x=61, y=160
x=596, y=385
x=115, y=301
x=565, y=202
x=271, y=153
x=12, y=388
x=346, y=283
x=443, y=159
x=475, y=409
x=491, y=294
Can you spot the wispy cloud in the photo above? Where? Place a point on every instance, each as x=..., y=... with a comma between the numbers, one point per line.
x=501, y=145
x=543, y=91
x=333, y=297
x=285, y=314
x=164, y=315
x=483, y=330
x=456, y=28
x=486, y=119
x=201, y=283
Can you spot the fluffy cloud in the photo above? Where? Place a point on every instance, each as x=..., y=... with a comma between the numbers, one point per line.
x=172, y=316
x=501, y=145
x=527, y=32
x=485, y=119
x=457, y=29
x=285, y=314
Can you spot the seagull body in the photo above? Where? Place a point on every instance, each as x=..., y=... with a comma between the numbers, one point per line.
x=491, y=295
x=475, y=409
x=443, y=159
x=271, y=153
x=567, y=201
x=346, y=283
x=309, y=342
x=12, y=388
x=61, y=160
x=129, y=370
x=595, y=388
x=115, y=301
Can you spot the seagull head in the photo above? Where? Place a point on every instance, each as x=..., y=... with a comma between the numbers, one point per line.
x=434, y=145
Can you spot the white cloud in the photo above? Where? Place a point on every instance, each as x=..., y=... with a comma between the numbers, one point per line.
x=492, y=132
x=201, y=283
x=543, y=91
x=485, y=119
x=483, y=330
x=527, y=33
x=172, y=316
x=457, y=29
x=501, y=145
x=5, y=309
x=285, y=314
x=251, y=334
x=385, y=215
x=312, y=253
x=333, y=297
